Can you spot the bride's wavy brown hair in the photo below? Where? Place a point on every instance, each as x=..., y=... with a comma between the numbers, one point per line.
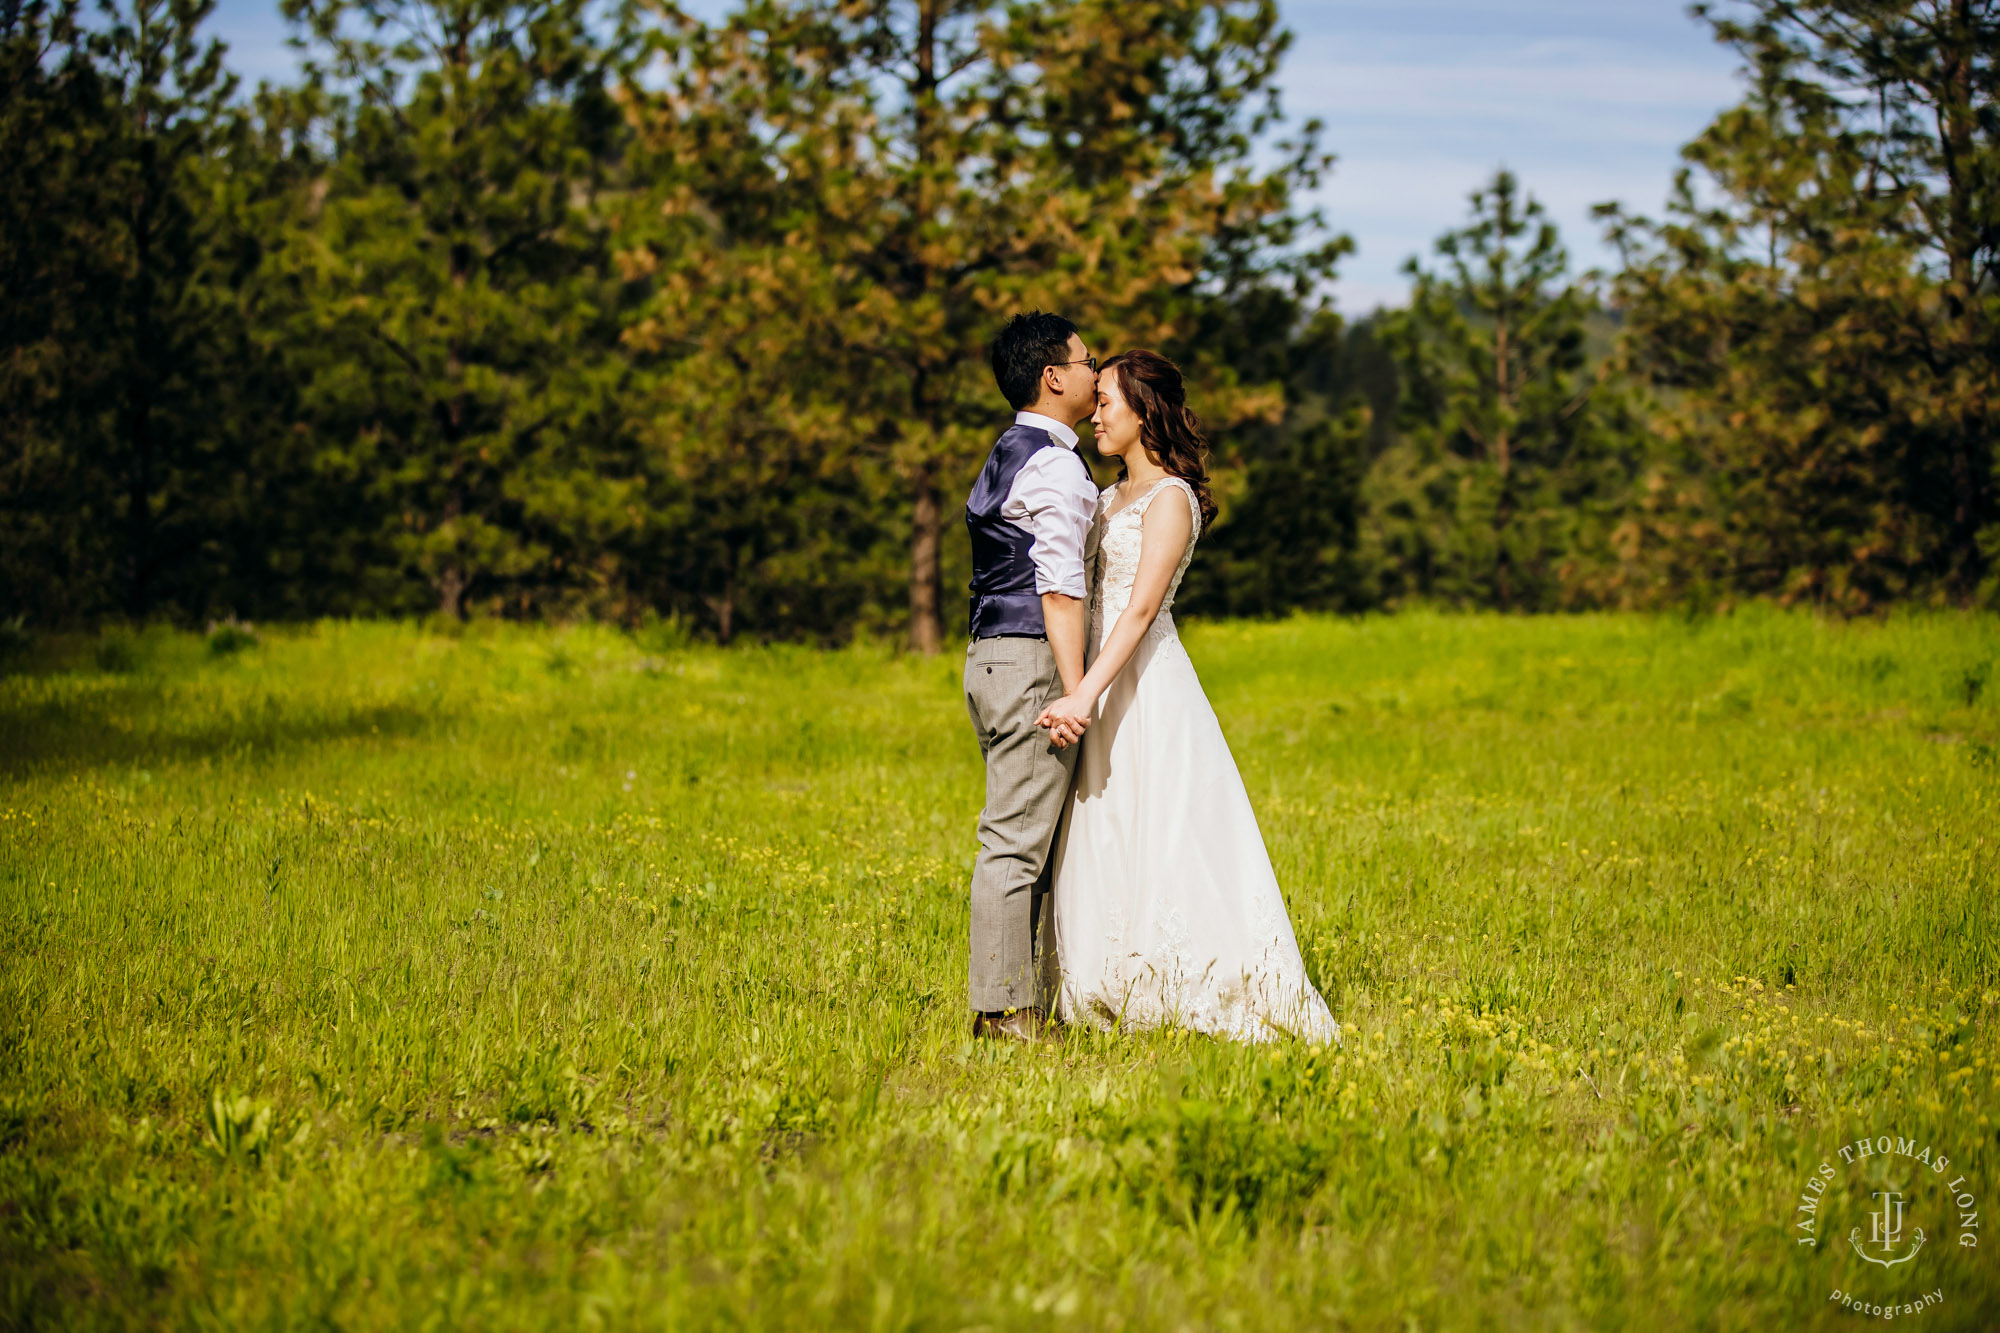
x=1154, y=389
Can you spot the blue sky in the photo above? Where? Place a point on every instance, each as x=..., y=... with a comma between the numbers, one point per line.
x=1586, y=100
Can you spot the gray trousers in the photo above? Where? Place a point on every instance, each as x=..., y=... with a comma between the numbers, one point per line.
x=1008, y=682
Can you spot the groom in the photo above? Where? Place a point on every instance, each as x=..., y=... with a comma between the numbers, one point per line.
x=1029, y=513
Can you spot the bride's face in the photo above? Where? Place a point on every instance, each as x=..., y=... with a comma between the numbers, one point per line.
x=1116, y=424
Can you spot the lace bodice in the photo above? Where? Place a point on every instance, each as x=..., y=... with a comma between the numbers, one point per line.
x=1111, y=553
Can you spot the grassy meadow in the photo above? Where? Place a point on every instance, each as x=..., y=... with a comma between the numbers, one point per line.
x=371, y=976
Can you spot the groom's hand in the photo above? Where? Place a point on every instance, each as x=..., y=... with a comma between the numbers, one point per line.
x=1066, y=719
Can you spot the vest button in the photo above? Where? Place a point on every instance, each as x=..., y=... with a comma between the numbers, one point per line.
x=989, y=671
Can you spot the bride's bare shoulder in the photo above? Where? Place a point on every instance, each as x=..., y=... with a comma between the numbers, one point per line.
x=1186, y=488
x=1168, y=517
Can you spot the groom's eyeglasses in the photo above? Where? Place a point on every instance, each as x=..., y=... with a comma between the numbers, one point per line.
x=1090, y=361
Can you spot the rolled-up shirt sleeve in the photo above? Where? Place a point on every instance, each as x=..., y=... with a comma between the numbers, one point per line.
x=1053, y=498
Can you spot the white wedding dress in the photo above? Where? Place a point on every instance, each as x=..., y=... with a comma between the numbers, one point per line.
x=1167, y=912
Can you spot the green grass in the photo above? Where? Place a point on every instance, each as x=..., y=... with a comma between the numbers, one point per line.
x=362, y=976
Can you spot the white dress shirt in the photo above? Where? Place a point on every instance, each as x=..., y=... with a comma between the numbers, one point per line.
x=1053, y=499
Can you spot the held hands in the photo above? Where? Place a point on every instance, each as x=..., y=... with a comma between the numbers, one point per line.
x=1066, y=720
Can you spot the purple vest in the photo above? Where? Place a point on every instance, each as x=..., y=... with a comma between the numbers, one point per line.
x=1004, y=600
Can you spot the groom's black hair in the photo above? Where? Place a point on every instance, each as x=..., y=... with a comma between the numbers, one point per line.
x=1024, y=348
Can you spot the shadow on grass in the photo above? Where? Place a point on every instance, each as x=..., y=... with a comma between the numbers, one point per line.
x=73, y=735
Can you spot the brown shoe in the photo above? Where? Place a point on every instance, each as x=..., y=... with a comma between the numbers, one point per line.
x=1030, y=1025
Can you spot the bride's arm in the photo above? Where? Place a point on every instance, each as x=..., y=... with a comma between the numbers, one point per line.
x=1166, y=529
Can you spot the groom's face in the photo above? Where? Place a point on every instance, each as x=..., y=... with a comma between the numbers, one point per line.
x=1074, y=384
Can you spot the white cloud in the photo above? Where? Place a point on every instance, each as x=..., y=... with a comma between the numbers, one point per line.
x=1424, y=99
x=1446, y=91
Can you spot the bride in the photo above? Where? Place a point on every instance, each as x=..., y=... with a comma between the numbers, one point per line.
x=1167, y=912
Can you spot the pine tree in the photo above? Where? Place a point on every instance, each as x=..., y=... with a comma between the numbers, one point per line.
x=1507, y=448
x=458, y=314
x=1820, y=305
x=120, y=340
x=879, y=185
x=59, y=137
x=1287, y=536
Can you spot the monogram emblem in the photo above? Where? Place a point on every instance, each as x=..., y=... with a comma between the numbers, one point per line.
x=1886, y=1232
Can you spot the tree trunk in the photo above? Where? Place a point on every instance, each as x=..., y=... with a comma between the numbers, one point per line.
x=926, y=575
x=1502, y=455
x=723, y=608
x=139, y=417
x=451, y=593
x=926, y=571
x=1956, y=123
x=1956, y=119
x=1502, y=447
x=139, y=498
